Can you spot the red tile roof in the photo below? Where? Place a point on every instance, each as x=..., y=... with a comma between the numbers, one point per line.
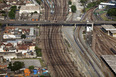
x=22, y=47
x=9, y=44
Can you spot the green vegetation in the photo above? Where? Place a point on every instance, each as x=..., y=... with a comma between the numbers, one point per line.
x=23, y=36
x=111, y=12
x=69, y=2
x=16, y=65
x=42, y=62
x=1, y=1
x=0, y=24
x=38, y=51
x=92, y=4
x=73, y=8
x=31, y=67
x=38, y=1
x=83, y=1
x=3, y=13
x=103, y=16
x=12, y=12
x=35, y=12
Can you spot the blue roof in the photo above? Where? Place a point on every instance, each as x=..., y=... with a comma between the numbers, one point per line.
x=6, y=76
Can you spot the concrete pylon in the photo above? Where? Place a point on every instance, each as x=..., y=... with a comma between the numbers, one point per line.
x=92, y=26
x=75, y=25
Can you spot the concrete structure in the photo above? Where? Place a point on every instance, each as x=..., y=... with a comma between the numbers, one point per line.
x=31, y=31
x=1, y=17
x=111, y=29
x=8, y=55
x=110, y=60
x=35, y=17
x=29, y=8
x=102, y=5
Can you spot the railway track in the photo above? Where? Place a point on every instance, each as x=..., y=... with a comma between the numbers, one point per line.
x=105, y=50
x=54, y=51
x=57, y=59
x=101, y=45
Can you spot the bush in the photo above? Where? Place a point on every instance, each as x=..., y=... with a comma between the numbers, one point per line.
x=73, y=8
x=83, y=1
x=38, y=51
x=111, y=12
x=12, y=12
x=23, y=36
x=38, y=1
x=69, y=2
x=16, y=65
x=31, y=67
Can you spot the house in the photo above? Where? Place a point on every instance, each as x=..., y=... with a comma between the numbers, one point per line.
x=32, y=47
x=9, y=45
x=23, y=49
x=8, y=55
x=1, y=17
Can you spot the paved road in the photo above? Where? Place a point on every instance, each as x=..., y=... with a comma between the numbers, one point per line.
x=58, y=22
x=91, y=55
x=82, y=65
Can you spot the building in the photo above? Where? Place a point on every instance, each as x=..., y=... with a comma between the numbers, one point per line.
x=1, y=17
x=102, y=5
x=110, y=61
x=3, y=66
x=29, y=8
x=8, y=55
x=110, y=29
x=27, y=72
x=35, y=17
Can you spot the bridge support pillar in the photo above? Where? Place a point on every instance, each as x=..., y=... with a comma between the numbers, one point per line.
x=92, y=26
x=75, y=25
x=62, y=25
x=108, y=32
x=6, y=24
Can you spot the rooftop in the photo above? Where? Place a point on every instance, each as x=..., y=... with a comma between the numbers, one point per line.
x=108, y=27
x=29, y=7
x=111, y=61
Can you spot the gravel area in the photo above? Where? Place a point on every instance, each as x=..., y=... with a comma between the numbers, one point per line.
x=30, y=62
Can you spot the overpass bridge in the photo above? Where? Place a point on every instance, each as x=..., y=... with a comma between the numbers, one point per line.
x=64, y=23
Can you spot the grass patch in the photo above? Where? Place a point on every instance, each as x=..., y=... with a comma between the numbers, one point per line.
x=103, y=16
x=42, y=62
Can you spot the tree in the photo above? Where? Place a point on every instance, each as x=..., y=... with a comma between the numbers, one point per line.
x=69, y=2
x=16, y=65
x=35, y=12
x=38, y=51
x=111, y=12
x=10, y=66
x=73, y=8
x=83, y=1
x=0, y=24
x=23, y=36
x=12, y=12
x=38, y=1
x=31, y=67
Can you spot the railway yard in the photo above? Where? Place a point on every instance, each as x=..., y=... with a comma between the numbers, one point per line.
x=102, y=44
x=55, y=53
x=84, y=48
x=53, y=49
